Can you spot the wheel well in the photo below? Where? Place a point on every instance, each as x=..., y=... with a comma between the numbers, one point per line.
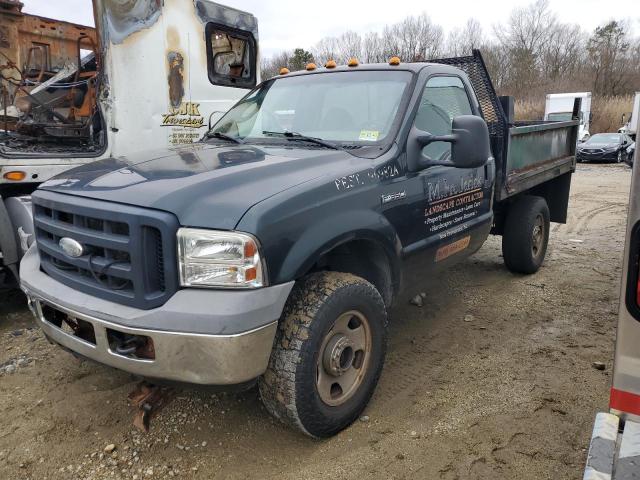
x=555, y=192
x=365, y=259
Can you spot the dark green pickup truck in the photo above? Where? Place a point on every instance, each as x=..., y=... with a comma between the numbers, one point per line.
x=273, y=250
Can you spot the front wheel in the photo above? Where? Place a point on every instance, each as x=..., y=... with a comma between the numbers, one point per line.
x=328, y=354
x=620, y=157
x=526, y=234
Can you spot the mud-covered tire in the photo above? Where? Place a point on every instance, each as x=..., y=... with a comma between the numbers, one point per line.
x=522, y=248
x=289, y=387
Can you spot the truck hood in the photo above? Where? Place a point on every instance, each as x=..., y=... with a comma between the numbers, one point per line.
x=204, y=185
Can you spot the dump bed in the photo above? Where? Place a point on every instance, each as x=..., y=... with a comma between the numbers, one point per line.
x=528, y=153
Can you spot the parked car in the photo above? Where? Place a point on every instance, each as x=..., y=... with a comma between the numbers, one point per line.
x=273, y=255
x=604, y=147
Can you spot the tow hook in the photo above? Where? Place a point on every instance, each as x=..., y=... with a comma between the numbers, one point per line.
x=128, y=346
x=138, y=347
x=149, y=399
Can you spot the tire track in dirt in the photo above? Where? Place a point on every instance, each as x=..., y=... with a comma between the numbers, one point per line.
x=580, y=223
x=589, y=216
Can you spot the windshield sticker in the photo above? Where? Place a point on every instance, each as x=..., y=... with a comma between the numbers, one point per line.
x=369, y=135
x=451, y=249
x=451, y=204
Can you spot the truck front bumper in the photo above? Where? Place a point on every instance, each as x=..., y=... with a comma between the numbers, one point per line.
x=218, y=337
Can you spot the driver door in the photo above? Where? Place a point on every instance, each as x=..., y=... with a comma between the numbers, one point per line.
x=454, y=213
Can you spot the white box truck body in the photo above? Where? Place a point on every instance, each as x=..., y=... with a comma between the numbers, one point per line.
x=559, y=107
x=631, y=127
x=159, y=75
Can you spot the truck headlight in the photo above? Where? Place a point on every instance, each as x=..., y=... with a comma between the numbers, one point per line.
x=210, y=258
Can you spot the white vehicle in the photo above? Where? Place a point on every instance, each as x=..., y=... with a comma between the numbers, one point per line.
x=559, y=107
x=160, y=74
x=614, y=453
x=631, y=126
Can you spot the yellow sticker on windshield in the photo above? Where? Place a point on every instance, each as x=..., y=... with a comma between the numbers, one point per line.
x=369, y=135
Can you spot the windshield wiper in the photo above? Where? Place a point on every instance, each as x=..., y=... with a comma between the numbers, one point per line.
x=298, y=136
x=224, y=136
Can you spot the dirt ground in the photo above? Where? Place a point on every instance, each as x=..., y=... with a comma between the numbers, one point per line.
x=491, y=379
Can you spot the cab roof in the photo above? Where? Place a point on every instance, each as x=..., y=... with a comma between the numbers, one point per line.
x=411, y=67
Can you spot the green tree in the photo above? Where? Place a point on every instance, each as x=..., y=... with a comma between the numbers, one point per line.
x=300, y=59
x=608, y=51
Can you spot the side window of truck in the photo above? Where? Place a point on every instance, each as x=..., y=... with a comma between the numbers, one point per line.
x=443, y=99
x=231, y=57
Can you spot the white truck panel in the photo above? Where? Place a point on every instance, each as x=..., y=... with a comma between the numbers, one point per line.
x=562, y=103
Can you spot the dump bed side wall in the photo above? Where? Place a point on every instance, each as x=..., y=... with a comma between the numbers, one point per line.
x=527, y=154
x=536, y=152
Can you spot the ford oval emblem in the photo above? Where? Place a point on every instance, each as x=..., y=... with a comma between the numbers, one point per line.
x=71, y=247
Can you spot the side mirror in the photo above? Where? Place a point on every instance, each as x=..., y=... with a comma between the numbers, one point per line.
x=469, y=140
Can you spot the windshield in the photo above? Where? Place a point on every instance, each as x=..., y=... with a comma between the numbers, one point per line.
x=563, y=116
x=560, y=116
x=347, y=107
x=604, y=138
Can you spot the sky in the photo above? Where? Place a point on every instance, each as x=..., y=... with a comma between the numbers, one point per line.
x=287, y=24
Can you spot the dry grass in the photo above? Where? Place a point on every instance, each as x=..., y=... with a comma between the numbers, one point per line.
x=529, y=109
x=607, y=111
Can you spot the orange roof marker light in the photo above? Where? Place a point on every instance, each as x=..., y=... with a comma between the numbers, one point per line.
x=395, y=61
x=330, y=64
x=284, y=71
x=15, y=176
x=311, y=67
x=353, y=62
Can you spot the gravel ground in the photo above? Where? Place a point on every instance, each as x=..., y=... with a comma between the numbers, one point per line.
x=492, y=378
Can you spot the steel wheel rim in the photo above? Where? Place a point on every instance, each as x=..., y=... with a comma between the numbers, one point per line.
x=537, y=236
x=343, y=358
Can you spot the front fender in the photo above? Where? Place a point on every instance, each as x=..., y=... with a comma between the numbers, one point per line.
x=324, y=235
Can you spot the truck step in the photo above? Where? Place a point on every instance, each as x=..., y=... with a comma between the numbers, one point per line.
x=613, y=455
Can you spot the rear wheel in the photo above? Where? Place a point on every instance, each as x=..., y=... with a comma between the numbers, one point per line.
x=328, y=354
x=526, y=235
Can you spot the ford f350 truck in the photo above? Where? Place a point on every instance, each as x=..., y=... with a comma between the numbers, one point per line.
x=157, y=75
x=273, y=250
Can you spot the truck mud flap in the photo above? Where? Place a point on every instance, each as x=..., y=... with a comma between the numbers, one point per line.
x=613, y=455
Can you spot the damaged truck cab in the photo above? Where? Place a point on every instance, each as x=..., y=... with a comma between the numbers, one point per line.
x=152, y=74
x=273, y=250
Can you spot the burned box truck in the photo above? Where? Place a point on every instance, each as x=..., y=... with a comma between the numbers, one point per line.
x=153, y=74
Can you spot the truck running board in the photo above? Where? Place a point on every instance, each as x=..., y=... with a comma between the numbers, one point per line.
x=613, y=455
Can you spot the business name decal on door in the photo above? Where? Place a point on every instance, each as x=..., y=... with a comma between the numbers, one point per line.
x=452, y=204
